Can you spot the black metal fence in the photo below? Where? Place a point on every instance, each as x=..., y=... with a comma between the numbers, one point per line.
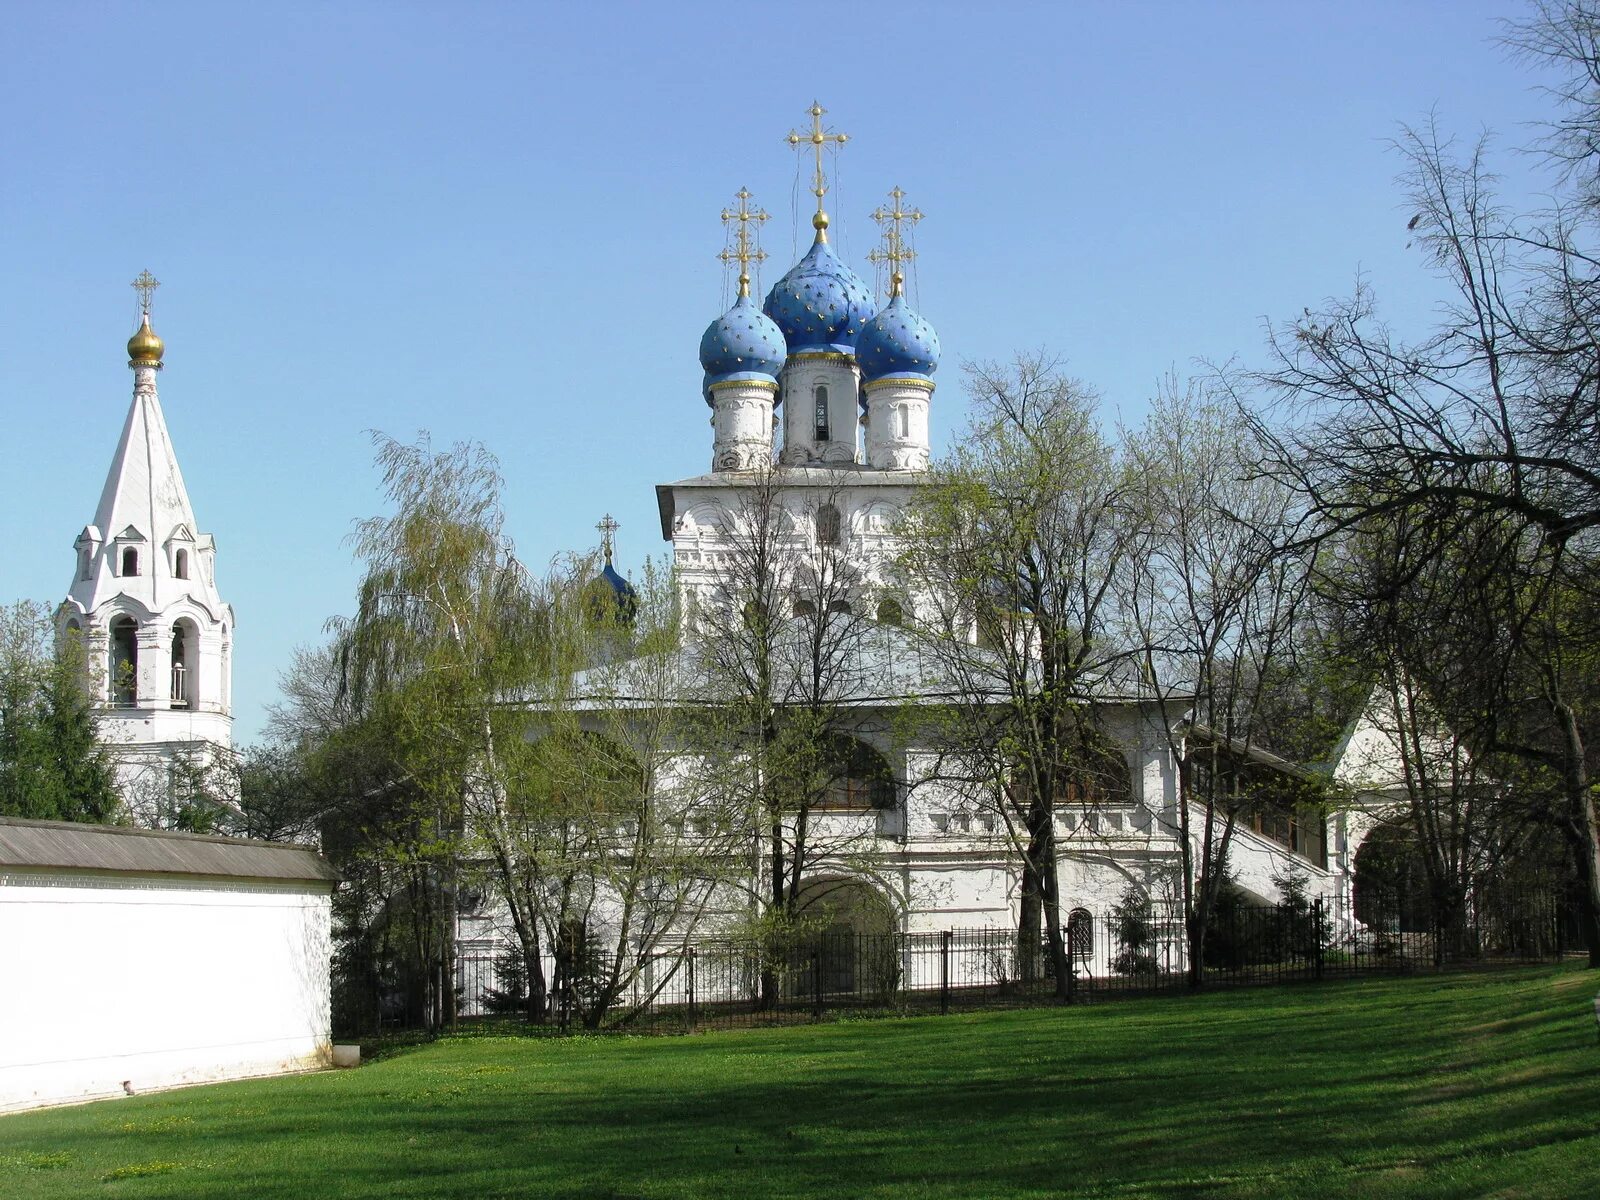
x=724, y=983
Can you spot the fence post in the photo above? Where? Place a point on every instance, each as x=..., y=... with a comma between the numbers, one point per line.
x=1316, y=933
x=691, y=988
x=944, y=973
x=816, y=982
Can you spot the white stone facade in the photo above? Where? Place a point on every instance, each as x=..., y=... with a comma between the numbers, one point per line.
x=941, y=862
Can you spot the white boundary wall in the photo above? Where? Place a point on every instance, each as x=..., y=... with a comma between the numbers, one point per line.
x=109, y=978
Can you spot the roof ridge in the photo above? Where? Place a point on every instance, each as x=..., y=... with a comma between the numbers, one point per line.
x=132, y=831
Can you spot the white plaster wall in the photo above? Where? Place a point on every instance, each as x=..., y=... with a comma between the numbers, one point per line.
x=1256, y=862
x=887, y=447
x=799, y=381
x=741, y=423
x=158, y=982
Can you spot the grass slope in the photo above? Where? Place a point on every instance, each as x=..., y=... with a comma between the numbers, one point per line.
x=1465, y=1085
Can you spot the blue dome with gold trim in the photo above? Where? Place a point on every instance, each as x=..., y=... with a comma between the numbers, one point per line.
x=626, y=598
x=743, y=343
x=609, y=599
x=821, y=304
x=897, y=342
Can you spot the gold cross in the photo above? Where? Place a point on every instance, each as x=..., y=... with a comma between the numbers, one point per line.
x=145, y=285
x=895, y=252
x=817, y=139
x=607, y=527
x=744, y=235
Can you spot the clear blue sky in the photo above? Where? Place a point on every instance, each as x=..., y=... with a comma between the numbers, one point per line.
x=499, y=222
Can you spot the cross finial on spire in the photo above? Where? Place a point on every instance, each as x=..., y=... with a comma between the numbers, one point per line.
x=607, y=527
x=818, y=139
x=744, y=236
x=895, y=221
x=145, y=285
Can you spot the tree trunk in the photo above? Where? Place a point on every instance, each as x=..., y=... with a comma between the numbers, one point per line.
x=1035, y=895
x=1060, y=960
x=533, y=970
x=768, y=999
x=1583, y=831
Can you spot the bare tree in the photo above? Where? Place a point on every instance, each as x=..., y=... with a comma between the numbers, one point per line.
x=1484, y=436
x=784, y=647
x=1012, y=550
x=1211, y=603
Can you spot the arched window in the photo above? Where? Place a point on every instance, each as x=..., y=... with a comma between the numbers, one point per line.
x=130, y=560
x=858, y=777
x=1100, y=778
x=820, y=396
x=804, y=608
x=185, y=647
x=84, y=560
x=890, y=611
x=842, y=607
x=180, y=566
x=827, y=522
x=904, y=412
x=123, y=685
x=1080, y=934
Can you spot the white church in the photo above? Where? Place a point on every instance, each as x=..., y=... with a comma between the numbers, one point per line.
x=158, y=637
x=834, y=392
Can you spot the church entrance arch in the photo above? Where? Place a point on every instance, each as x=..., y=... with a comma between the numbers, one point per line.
x=850, y=926
x=1391, y=880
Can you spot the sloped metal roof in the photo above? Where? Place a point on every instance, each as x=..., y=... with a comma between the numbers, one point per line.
x=877, y=665
x=64, y=845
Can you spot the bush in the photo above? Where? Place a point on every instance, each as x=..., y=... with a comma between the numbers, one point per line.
x=1135, y=934
x=511, y=972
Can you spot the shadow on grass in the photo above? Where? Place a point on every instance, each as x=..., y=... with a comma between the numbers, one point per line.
x=1436, y=1087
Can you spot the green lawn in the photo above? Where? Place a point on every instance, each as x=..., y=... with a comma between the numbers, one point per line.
x=1465, y=1085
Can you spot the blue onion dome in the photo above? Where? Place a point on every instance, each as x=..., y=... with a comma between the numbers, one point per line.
x=897, y=342
x=743, y=343
x=627, y=599
x=821, y=304
x=610, y=599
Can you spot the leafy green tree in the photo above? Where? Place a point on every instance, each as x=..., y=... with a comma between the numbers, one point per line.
x=443, y=631
x=607, y=835
x=52, y=766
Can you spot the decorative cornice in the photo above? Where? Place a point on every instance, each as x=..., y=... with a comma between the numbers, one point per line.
x=763, y=385
x=833, y=356
x=911, y=382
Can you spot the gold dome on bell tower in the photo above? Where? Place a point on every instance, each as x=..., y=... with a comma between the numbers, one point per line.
x=144, y=347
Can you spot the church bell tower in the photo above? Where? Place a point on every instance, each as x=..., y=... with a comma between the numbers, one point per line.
x=158, y=639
